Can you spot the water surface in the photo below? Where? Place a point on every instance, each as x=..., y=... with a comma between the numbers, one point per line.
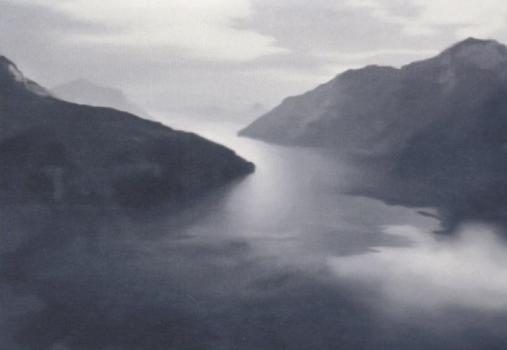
x=279, y=260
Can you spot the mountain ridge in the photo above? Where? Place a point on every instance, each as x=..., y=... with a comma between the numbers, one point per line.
x=431, y=133
x=56, y=151
x=82, y=91
x=306, y=119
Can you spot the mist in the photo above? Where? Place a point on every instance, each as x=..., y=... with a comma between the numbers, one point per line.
x=138, y=212
x=432, y=272
x=247, y=57
x=245, y=268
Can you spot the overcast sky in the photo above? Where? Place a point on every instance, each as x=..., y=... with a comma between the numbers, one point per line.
x=175, y=55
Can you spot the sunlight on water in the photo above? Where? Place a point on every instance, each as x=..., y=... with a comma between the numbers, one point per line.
x=293, y=200
x=281, y=259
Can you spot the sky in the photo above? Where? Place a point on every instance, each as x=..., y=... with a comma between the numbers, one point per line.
x=229, y=56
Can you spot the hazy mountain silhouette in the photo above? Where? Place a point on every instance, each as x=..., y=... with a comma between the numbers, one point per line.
x=85, y=92
x=52, y=150
x=434, y=132
x=376, y=108
x=217, y=112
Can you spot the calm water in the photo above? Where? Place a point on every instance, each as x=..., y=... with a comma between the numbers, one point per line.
x=278, y=260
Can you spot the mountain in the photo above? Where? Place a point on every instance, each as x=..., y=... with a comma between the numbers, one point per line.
x=85, y=92
x=433, y=132
x=220, y=113
x=56, y=151
x=377, y=108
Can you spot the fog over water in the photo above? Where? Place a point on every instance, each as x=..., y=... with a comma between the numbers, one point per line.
x=279, y=260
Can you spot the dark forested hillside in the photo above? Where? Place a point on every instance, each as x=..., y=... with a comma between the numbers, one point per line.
x=51, y=150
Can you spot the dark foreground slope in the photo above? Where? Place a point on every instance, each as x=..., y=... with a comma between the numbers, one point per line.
x=51, y=150
x=431, y=133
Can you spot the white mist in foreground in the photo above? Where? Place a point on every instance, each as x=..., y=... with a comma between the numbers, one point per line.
x=469, y=270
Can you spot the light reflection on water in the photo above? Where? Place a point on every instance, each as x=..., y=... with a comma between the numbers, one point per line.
x=278, y=260
x=293, y=200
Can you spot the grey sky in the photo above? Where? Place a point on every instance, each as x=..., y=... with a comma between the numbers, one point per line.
x=174, y=55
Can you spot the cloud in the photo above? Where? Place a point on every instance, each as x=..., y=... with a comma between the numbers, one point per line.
x=481, y=18
x=171, y=54
x=203, y=28
x=467, y=271
x=354, y=56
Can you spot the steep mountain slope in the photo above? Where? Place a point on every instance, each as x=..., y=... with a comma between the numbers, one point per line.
x=85, y=92
x=377, y=109
x=433, y=133
x=51, y=150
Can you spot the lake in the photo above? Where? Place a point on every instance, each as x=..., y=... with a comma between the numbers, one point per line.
x=282, y=259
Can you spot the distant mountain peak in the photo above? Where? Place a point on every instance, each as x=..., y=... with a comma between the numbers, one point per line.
x=55, y=151
x=84, y=84
x=471, y=41
x=485, y=54
x=83, y=91
x=81, y=82
x=380, y=108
